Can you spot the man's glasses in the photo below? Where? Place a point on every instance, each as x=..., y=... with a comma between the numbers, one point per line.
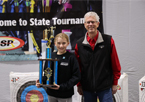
x=88, y=22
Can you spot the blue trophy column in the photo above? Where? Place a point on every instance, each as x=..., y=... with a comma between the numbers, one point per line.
x=40, y=71
x=55, y=71
x=48, y=56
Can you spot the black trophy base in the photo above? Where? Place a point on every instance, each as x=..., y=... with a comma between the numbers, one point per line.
x=44, y=85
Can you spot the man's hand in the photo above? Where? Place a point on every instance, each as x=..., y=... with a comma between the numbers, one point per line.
x=114, y=89
x=80, y=90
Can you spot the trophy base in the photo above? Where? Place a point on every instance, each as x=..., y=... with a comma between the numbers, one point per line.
x=47, y=85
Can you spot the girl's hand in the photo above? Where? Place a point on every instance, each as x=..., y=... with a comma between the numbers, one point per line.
x=37, y=83
x=55, y=87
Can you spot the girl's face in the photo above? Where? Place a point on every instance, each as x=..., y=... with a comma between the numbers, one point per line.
x=61, y=45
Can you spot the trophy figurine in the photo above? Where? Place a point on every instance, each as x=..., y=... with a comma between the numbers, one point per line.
x=48, y=71
x=46, y=5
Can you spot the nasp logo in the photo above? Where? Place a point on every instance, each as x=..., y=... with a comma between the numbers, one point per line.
x=10, y=43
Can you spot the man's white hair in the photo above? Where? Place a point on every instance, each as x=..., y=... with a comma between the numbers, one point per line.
x=92, y=14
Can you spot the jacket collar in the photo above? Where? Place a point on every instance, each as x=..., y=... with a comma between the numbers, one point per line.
x=99, y=40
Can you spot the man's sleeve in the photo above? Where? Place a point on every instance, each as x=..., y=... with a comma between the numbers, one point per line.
x=115, y=63
x=78, y=58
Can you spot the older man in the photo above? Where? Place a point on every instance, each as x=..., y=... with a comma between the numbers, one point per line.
x=99, y=63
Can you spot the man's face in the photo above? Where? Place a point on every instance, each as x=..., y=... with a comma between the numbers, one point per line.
x=91, y=24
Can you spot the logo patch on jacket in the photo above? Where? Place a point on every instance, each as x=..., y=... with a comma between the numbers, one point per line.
x=101, y=46
x=64, y=63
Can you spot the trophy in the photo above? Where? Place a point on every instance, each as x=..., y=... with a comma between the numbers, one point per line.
x=27, y=5
x=48, y=71
x=16, y=3
x=46, y=5
x=32, y=3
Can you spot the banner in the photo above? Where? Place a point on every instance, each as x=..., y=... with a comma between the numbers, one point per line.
x=26, y=25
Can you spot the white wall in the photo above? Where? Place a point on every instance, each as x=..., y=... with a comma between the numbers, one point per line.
x=125, y=21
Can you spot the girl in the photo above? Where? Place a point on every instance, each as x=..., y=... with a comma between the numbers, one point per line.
x=68, y=72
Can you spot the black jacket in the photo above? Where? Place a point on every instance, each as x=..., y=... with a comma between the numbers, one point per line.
x=68, y=75
x=96, y=70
